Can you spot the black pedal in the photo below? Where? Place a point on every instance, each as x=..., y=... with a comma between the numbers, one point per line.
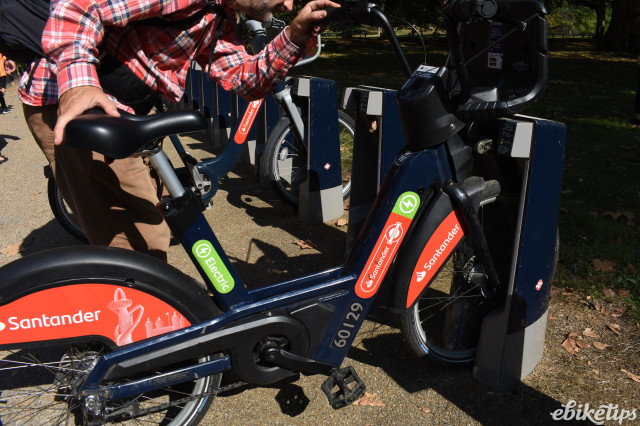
x=348, y=384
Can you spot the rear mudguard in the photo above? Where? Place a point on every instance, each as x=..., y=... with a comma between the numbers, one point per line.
x=439, y=230
x=52, y=296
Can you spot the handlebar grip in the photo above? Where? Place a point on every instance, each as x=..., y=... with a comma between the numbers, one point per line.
x=258, y=35
x=467, y=10
x=358, y=13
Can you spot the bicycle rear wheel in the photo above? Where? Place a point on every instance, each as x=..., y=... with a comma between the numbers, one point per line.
x=63, y=213
x=444, y=324
x=37, y=379
x=286, y=158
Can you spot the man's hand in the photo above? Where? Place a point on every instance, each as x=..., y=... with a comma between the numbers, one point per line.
x=305, y=25
x=76, y=101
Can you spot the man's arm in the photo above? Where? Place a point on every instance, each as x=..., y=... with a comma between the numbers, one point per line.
x=71, y=36
x=253, y=77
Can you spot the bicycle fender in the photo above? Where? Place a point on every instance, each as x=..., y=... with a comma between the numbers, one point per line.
x=117, y=296
x=437, y=233
x=440, y=229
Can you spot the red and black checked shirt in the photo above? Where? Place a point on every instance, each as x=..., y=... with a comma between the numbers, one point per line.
x=160, y=56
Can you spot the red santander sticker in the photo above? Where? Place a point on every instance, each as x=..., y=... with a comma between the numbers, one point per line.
x=387, y=245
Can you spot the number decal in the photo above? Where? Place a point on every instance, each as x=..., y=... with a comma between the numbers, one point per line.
x=349, y=324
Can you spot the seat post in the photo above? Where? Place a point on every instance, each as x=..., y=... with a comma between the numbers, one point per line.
x=167, y=174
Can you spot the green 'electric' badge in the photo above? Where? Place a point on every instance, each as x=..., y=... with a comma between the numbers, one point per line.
x=407, y=204
x=212, y=265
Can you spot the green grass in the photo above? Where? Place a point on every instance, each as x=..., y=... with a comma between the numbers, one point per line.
x=592, y=92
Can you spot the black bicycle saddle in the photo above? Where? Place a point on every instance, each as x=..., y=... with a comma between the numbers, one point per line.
x=120, y=137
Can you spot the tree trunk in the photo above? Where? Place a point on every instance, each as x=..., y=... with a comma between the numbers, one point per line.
x=601, y=16
x=624, y=29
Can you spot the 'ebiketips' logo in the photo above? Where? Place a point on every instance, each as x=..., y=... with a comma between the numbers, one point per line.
x=387, y=245
x=213, y=266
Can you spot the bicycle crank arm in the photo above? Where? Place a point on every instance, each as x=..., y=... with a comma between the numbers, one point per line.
x=299, y=363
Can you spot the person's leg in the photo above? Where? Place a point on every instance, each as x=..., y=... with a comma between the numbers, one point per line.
x=3, y=85
x=115, y=203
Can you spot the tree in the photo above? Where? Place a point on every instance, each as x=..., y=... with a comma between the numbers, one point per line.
x=624, y=29
x=600, y=7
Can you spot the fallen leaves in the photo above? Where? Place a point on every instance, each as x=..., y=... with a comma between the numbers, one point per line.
x=342, y=222
x=588, y=332
x=600, y=346
x=626, y=215
x=11, y=250
x=616, y=215
x=615, y=328
x=306, y=244
x=573, y=343
x=630, y=375
x=604, y=265
x=370, y=400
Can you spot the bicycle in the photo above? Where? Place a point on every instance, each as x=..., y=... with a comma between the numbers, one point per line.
x=285, y=153
x=456, y=207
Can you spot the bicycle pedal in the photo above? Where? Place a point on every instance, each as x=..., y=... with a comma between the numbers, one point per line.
x=348, y=387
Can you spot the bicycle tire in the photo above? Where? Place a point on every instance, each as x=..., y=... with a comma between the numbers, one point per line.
x=63, y=213
x=40, y=391
x=444, y=324
x=286, y=158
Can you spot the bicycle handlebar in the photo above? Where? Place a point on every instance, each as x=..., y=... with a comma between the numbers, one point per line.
x=260, y=38
x=360, y=13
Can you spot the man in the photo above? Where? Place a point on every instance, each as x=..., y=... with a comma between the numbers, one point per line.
x=115, y=203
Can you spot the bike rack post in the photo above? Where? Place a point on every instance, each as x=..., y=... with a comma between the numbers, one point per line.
x=196, y=86
x=208, y=98
x=321, y=193
x=512, y=340
x=225, y=116
x=377, y=140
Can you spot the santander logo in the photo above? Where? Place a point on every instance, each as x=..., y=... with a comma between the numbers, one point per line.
x=89, y=309
x=247, y=121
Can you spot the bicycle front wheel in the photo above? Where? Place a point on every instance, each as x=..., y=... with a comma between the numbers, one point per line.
x=286, y=158
x=37, y=380
x=444, y=324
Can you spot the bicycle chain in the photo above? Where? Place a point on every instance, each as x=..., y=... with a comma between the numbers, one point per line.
x=184, y=400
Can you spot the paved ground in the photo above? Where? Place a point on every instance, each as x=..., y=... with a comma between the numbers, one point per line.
x=259, y=233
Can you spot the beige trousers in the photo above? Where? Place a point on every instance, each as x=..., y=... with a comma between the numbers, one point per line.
x=115, y=203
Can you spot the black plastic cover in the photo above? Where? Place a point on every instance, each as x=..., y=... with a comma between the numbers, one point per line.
x=506, y=75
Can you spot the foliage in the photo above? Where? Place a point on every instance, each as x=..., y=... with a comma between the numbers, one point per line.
x=569, y=19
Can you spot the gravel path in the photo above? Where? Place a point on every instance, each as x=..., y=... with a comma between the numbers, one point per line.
x=259, y=233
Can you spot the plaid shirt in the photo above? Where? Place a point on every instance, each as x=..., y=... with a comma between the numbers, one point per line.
x=159, y=55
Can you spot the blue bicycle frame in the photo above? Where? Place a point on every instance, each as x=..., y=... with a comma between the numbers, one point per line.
x=347, y=293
